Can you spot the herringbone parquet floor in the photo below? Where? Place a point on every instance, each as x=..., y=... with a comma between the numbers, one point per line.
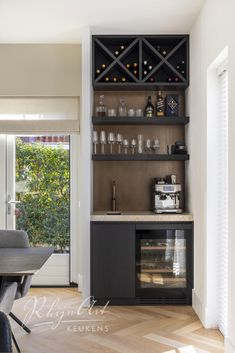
x=59, y=325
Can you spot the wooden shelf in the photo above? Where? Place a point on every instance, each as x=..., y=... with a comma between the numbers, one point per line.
x=163, y=247
x=163, y=270
x=117, y=120
x=140, y=157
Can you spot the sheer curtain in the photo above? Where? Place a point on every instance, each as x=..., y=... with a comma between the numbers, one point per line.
x=223, y=198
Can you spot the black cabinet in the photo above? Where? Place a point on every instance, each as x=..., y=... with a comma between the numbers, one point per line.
x=112, y=262
x=140, y=62
x=142, y=263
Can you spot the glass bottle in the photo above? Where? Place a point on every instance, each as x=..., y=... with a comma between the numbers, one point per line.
x=160, y=108
x=149, y=109
x=122, y=109
x=101, y=108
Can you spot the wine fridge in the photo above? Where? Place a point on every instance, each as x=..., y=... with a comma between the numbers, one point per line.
x=164, y=263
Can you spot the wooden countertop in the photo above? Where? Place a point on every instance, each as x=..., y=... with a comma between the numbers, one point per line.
x=141, y=217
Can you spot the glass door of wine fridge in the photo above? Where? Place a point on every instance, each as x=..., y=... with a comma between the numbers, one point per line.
x=164, y=262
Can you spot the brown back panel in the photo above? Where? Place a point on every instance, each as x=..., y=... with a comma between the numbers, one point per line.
x=134, y=183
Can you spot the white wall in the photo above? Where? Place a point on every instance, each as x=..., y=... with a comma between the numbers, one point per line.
x=40, y=69
x=212, y=32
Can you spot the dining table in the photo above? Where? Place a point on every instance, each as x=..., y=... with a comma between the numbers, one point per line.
x=23, y=261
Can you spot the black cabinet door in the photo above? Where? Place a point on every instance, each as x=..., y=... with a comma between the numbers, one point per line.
x=113, y=260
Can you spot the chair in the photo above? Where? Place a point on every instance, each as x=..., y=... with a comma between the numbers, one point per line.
x=5, y=334
x=7, y=297
x=16, y=239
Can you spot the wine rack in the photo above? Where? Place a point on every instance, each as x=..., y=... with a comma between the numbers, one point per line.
x=140, y=62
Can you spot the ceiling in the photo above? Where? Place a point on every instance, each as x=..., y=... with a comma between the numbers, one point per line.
x=62, y=21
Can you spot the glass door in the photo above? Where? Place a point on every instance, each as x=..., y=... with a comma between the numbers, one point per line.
x=38, y=198
x=162, y=263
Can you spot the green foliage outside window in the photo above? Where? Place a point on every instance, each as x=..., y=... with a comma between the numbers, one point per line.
x=42, y=186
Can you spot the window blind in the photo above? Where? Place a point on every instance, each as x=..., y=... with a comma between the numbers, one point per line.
x=39, y=114
x=223, y=197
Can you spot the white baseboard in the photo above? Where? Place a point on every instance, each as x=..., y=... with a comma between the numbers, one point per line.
x=207, y=315
x=229, y=346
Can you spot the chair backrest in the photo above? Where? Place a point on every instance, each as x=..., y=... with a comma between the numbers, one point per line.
x=13, y=239
x=7, y=297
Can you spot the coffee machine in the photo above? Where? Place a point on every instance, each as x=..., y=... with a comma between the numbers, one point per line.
x=167, y=195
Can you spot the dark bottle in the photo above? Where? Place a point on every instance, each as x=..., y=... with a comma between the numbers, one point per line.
x=164, y=52
x=135, y=65
x=128, y=66
x=169, y=79
x=123, y=79
x=122, y=47
x=152, y=79
x=149, y=109
x=135, y=72
x=107, y=79
x=103, y=66
x=116, y=52
x=97, y=71
x=160, y=108
x=115, y=79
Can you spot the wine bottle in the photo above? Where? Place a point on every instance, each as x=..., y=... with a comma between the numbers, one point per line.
x=176, y=79
x=145, y=64
x=160, y=107
x=122, y=47
x=115, y=79
x=116, y=53
x=123, y=79
x=150, y=67
x=152, y=79
x=164, y=52
x=145, y=72
x=128, y=66
x=135, y=65
x=97, y=71
x=103, y=66
x=169, y=79
x=135, y=72
x=159, y=48
x=149, y=109
x=107, y=79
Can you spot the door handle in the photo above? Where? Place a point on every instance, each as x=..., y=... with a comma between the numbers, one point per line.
x=11, y=202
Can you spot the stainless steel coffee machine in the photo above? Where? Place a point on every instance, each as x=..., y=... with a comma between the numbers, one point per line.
x=167, y=195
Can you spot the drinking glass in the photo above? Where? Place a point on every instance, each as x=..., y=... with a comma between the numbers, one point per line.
x=119, y=141
x=131, y=112
x=95, y=140
x=133, y=145
x=140, y=143
x=102, y=141
x=126, y=145
x=156, y=145
x=148, y=145
x=111, y=141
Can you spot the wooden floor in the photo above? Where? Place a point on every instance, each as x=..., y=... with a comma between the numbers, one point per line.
x=59, y=325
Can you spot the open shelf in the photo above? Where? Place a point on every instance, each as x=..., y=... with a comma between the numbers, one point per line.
x=134, y=62
x=140, y=157
x=117, y=120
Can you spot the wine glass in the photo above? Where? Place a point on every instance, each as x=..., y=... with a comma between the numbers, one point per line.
x=111, y=141
x=95, y=140
x=126, y=145
x=119, y=141
x=103, y=141
x=133, y=145
x=148, y=145
x=156, y=145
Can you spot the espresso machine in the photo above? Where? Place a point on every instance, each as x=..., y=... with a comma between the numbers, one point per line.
x=167, y=195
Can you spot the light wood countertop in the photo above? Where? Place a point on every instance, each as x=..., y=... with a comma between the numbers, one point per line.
x=141, y=217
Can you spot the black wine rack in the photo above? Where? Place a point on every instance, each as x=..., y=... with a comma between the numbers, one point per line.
x=119, y=62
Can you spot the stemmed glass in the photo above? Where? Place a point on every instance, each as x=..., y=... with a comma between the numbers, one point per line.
x=119, y=141
x=126, y=145
x=148, y=145
x=133, y=145
x=111, y=141
x=95, y=140
x=156, y=145
x=102, y=141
